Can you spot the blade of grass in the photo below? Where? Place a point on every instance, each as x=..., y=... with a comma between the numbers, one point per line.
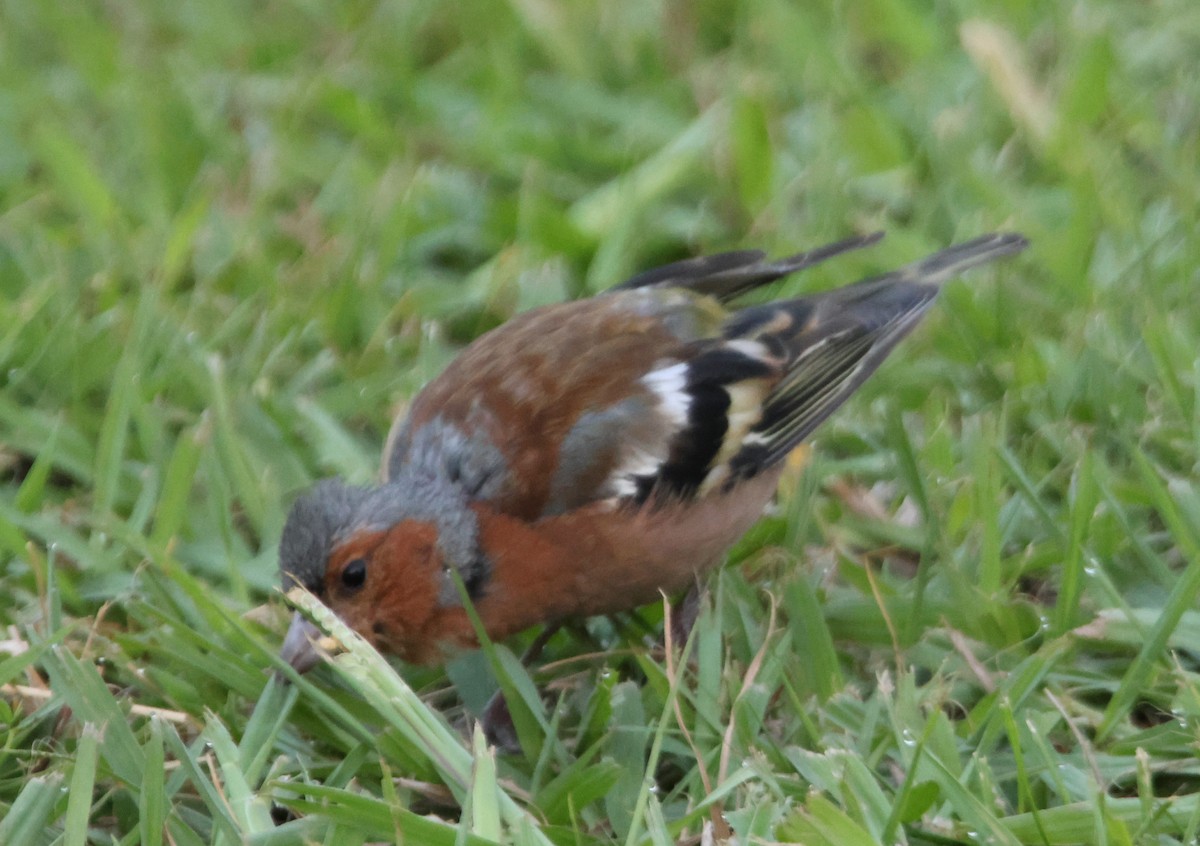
x=375, y=818
x=395, y=701
x=83, y=780
x=261, y=732
x=190, y=761
x=485, y=809
x=251, y=810
x=114, y=431
x=178, y=479
x=1182, y=597
x=81, y=687
x=152, y=803
x=1083, y=508
x=1076, y=823
x=32, y=811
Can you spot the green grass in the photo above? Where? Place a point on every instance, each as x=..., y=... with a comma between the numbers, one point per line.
x=235, y=237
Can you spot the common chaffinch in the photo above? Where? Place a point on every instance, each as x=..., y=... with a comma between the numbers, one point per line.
x=585, y=456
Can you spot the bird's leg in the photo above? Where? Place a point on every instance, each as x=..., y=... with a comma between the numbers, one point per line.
x=496, y=719
x=685, y=614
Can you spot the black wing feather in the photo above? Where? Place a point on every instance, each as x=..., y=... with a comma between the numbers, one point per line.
x=727, y=276
x=836, y=340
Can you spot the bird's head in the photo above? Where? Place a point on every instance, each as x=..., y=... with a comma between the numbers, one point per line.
x=382, y=559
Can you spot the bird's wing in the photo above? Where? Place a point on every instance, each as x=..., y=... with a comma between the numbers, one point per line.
x=561, y=406
x=655, y=392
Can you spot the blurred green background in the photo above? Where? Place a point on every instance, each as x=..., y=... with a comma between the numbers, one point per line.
x=236, y=237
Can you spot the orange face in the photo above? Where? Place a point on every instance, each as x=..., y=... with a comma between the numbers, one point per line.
x=385, y=585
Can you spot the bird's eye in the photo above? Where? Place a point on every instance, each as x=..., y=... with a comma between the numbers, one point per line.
x=354, y=574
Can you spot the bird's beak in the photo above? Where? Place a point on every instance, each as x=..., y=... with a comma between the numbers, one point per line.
x=299, y=647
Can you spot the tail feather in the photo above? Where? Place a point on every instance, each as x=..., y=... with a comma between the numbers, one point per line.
x=833, y=341
x=727, y=276
x=948, y=263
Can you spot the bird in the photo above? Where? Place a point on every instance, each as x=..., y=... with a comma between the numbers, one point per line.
x=586, y=457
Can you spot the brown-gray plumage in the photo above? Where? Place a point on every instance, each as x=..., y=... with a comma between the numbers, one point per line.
x=584, y=456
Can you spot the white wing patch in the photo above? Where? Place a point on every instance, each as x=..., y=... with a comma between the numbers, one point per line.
x=638, y=463
x=669, y=384
x=749, y=348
